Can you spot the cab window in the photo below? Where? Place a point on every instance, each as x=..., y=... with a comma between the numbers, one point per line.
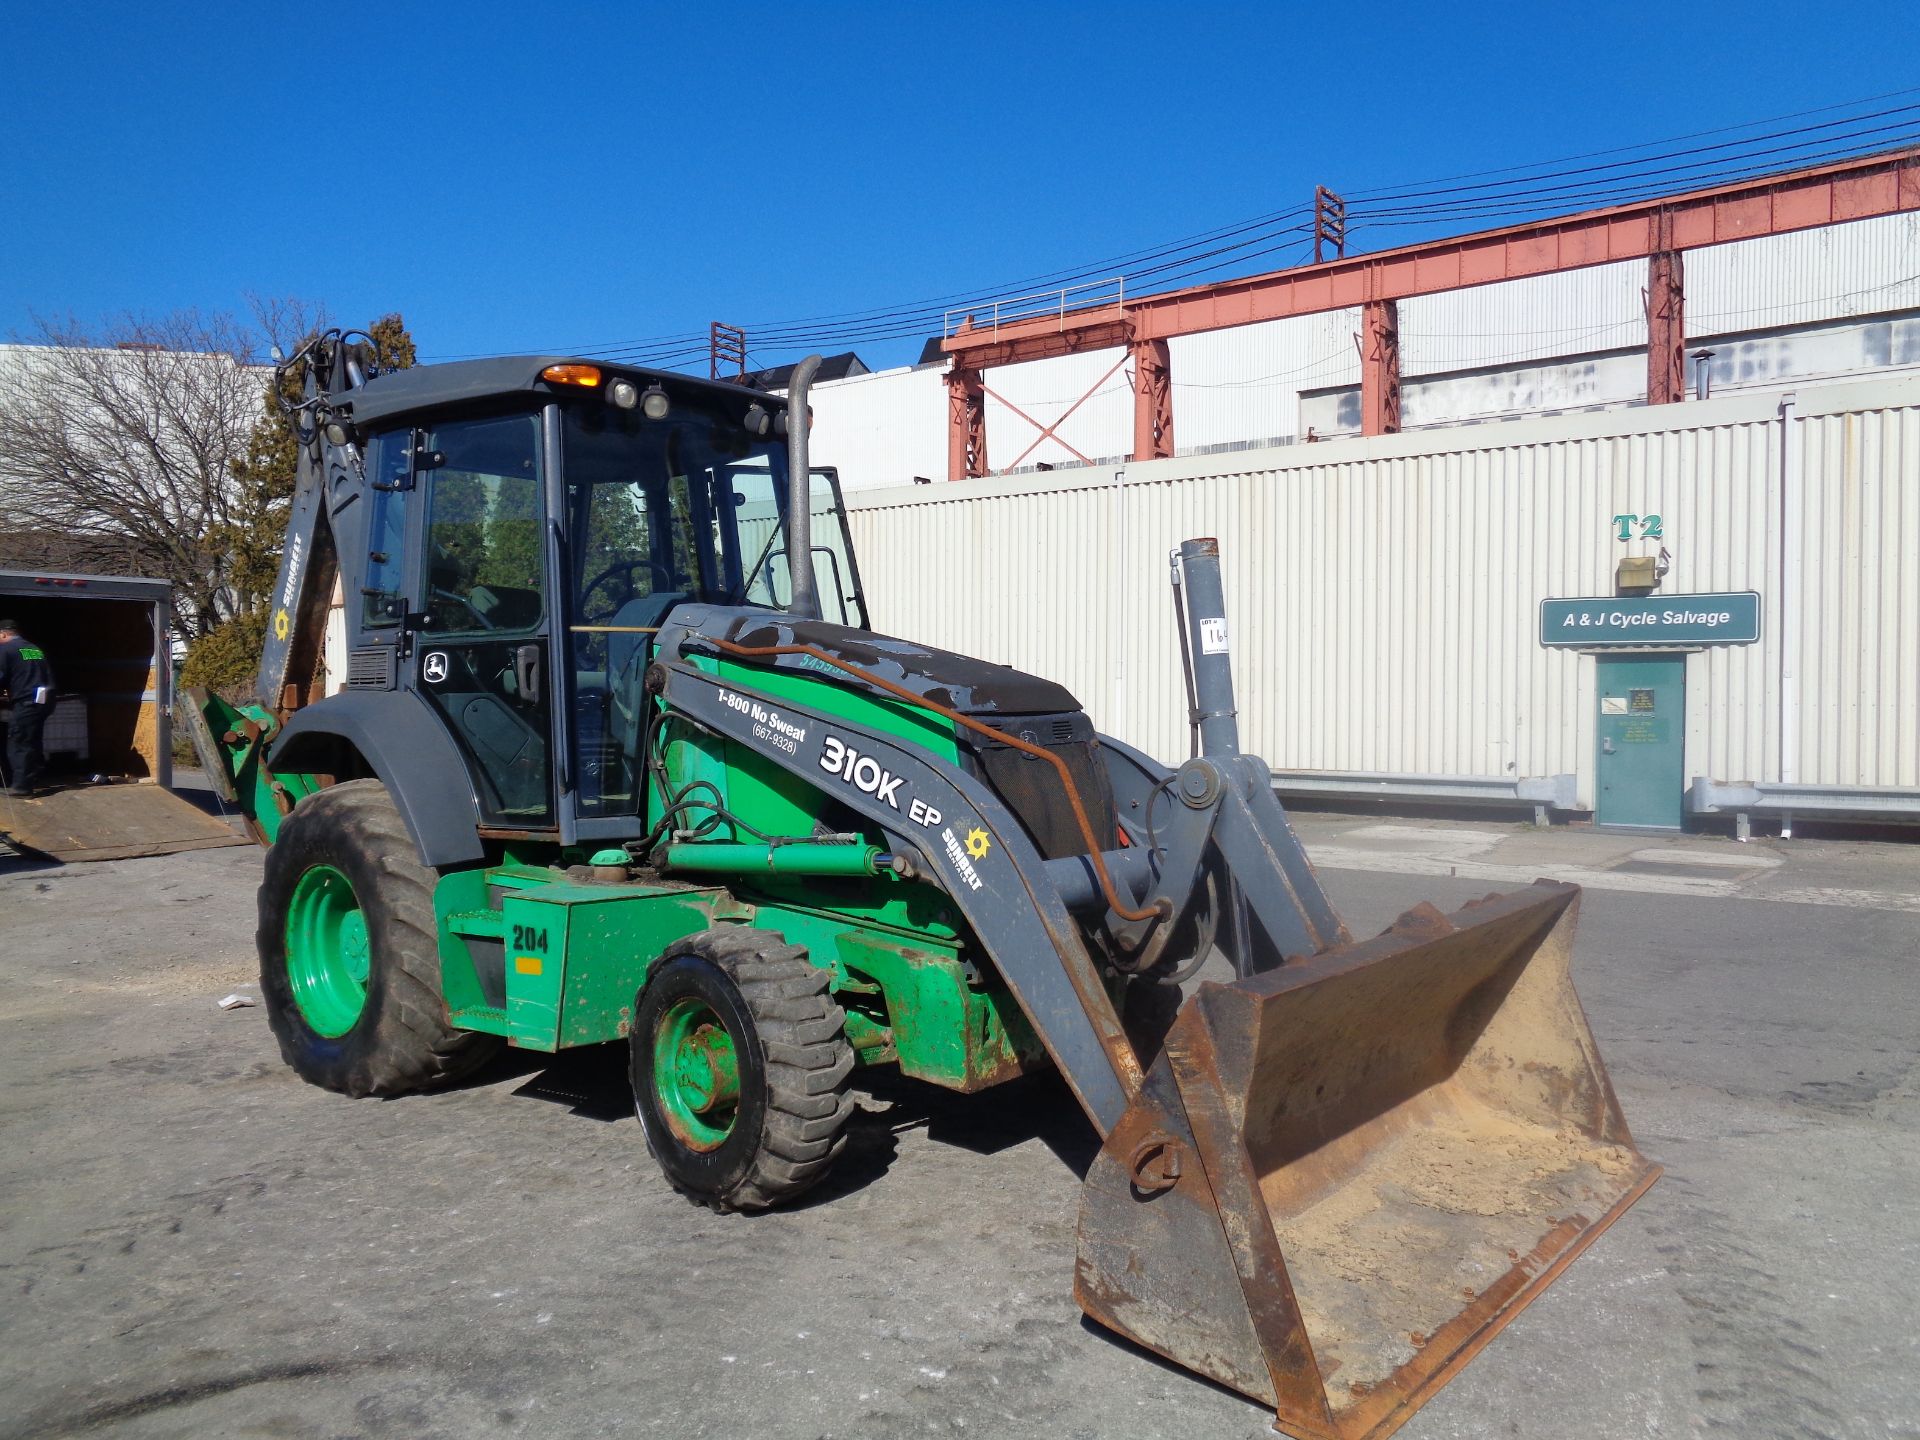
x=484, y=540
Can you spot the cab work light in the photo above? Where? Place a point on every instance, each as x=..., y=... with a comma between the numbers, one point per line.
x=586, y=375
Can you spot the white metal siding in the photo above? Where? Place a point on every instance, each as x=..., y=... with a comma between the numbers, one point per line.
x=1864, y=267
x=1093, y=415
x=1589, y=383
x=1244, y=384
x=1858, y=626
x=1574, y=312
x=1384, y=592
x=333, y=649
x=884, y=428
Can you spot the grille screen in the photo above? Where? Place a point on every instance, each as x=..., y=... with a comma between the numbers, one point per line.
x=370, y=668
x=1030, y=787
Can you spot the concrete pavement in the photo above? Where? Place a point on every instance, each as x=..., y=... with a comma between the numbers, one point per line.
x=194, y=1243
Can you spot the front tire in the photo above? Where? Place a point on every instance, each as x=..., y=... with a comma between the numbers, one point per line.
x=739, y=1065
x=349, y=951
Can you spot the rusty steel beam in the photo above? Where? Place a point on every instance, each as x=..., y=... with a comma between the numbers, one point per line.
x=966, y=424
x=1380, y=368
x=1152, y=400
x=1666, y=328
x=1766, y=205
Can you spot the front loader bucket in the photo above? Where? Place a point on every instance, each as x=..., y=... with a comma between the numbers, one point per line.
x=1341, y=1177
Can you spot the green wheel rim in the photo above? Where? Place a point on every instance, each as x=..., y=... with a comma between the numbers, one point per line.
x=696, y=1073
x=328, y=954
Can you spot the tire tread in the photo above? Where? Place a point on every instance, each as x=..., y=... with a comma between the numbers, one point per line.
x=802, y=1033
x=411, y=1046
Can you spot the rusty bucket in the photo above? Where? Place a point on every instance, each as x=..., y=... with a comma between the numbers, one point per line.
x=1341, y=1177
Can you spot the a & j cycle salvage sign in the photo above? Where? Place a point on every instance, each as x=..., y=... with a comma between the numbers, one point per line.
x=1729, y=619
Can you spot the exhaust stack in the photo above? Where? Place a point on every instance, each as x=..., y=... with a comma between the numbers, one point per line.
x=805, y=600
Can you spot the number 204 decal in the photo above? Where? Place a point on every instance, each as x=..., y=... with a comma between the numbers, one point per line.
x=529, y=937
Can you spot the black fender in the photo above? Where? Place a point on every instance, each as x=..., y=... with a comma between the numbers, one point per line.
x=408, y=747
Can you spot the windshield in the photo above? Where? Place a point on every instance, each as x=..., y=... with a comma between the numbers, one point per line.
x=763, y=539
x=652, y=506
x=689, y=507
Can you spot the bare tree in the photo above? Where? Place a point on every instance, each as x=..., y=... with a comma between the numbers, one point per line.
x=117, y=453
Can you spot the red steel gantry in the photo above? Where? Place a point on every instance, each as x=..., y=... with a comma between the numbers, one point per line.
x=1658, y=231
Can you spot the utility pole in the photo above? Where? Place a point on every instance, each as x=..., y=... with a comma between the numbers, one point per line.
x=1329, y=224
x=726, y=344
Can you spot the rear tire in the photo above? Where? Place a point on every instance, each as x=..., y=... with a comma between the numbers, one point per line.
x=739, y=1065
x=349, y=951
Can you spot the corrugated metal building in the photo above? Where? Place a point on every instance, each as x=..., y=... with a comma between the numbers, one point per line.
x=1386, y=597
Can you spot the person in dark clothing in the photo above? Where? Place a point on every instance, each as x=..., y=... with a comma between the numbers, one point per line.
x=27, y=679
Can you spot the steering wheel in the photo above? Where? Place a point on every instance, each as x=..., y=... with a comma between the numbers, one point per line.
x=464, y=603
x=622, y=569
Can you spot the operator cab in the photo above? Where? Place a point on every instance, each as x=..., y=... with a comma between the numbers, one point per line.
x=527, y=527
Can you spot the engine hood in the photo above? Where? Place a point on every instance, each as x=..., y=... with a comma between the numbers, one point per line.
x=959, y=682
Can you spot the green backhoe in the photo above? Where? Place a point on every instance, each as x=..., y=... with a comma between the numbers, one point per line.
x=618, y=759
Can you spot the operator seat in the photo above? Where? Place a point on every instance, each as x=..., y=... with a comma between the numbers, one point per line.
x=626, y=645
x=608, y=704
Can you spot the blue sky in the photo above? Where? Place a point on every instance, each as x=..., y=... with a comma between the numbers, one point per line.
x=520, y=177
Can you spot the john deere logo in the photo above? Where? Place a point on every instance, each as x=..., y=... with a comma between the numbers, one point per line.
x=434, y=668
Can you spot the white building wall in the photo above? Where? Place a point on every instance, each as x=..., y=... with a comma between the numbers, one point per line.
x=1384, y=592
x=883, y=428
x=333, y=649
x=1088, y=397
x=1864, y=267
x=1854, y=644
x=1574, y=312
x=1243, y=385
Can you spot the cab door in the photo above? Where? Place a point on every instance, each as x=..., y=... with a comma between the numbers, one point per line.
x=481, y=641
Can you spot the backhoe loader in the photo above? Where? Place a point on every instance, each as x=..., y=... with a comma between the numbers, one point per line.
x=619, y=759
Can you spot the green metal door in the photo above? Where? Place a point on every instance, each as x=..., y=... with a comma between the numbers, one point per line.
x=1642, y=734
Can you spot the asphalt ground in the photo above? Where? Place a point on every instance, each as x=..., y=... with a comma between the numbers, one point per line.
x=195, y=1243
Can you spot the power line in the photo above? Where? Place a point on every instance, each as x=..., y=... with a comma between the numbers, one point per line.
x=1496, y=210
x=1530, y=191
x=1728, y=167
x=898, y=323
x=1648, y=144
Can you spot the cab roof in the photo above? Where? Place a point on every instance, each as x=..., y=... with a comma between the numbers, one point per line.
x=465, y=382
